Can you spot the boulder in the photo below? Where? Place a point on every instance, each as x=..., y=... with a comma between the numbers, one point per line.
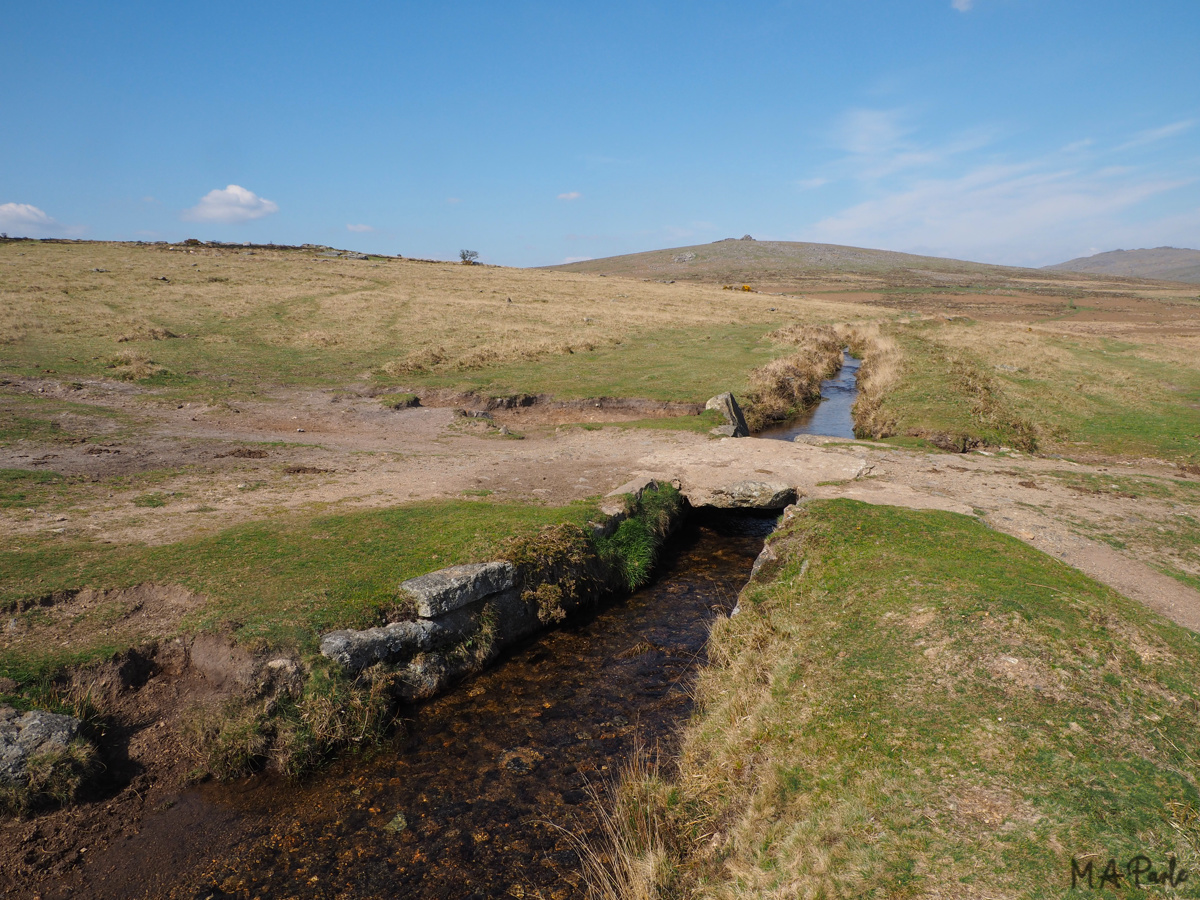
x=449, y=589
x=763, y=495
x=735, y=422
x=34, y=733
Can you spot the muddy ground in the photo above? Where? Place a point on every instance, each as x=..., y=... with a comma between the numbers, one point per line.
x=291, y=451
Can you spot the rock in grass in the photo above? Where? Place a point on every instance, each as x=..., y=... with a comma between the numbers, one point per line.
x=31, y=734
x=735, y=422
x=449, y=589
x=398, y=642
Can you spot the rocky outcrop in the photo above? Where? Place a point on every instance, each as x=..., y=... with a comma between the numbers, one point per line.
x=735, y=421
x=31, y=734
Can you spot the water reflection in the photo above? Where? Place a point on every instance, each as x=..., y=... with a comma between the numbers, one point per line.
x=831, y=417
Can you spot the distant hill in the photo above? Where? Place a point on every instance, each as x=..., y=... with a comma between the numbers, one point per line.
x=736, y=260
x=1162, y=263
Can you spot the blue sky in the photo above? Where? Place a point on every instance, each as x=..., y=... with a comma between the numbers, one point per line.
x=1024, y=132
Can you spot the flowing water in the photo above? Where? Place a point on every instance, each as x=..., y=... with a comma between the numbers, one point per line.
x=831, y=417
x=472, y=800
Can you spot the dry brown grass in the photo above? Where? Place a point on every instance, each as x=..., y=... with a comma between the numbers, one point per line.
x=635, y=860
x=878, y=375
x=129, y=365
x=412, y=316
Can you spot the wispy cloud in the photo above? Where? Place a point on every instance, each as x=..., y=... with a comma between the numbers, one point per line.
x=454, y=200
x=880, y=142
x=232, y=205
x=360, y=229
x=570, y=195
x=1154, y=135
x=962, y=5
x=573, y=259
x=1024, y=213
x=871, y=132
x=809, y=184
x=27, y=220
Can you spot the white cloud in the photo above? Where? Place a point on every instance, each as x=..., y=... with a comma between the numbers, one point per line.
x=962, y=5
x=453, y=200
x=573, y=259
x=570, y=195
x=809, y=184
x=26, y=219
x=232, y=205
x=1154, y=135
x=360, y=229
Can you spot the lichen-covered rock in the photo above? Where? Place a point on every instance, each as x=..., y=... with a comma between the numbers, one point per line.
x=761, y=495
x=30, y=734
x=449, y=589
x=400, y=641
x=735, y=422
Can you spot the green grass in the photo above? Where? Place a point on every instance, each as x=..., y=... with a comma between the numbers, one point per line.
x=913, y=705
x=22, y=488
x=1082, y=395
x=679, y=364
x=38, y=489
x=951, y=393
x=274, y=584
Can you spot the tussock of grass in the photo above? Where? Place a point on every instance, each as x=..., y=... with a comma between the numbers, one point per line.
x=913, y=705
x=129, y=365
x=877, y=377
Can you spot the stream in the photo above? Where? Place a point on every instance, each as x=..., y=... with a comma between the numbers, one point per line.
x=831, y=417
x=479, y=793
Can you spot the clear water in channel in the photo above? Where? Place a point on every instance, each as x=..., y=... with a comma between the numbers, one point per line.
x=831, y=417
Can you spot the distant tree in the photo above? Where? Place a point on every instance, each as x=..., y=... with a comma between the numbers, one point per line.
x=468, y=257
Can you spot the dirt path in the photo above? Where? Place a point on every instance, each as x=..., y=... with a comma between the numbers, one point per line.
x=311, y=450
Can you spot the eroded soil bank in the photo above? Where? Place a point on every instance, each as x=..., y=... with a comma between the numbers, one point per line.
x=472, y=798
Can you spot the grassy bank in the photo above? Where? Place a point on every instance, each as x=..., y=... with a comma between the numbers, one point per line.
x=911, y=705
x=275, y=584
x=963, y=384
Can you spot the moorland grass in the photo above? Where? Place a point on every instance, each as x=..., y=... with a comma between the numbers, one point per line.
x=225, y=322
x=913, y=705
x=1003, y=385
